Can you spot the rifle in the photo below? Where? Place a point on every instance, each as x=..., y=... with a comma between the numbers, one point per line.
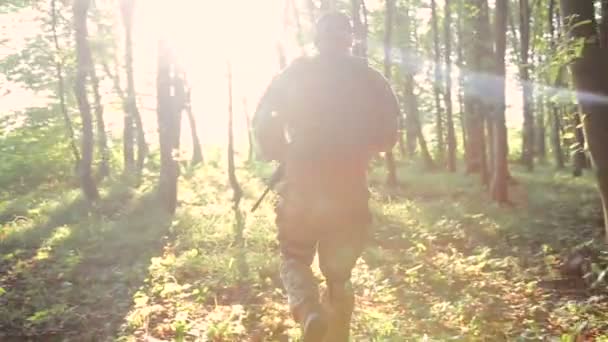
x=274, y=179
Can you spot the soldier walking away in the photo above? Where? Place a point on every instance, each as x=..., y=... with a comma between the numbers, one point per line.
x=323, y=118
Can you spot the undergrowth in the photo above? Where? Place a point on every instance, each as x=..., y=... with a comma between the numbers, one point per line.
x=444, y=262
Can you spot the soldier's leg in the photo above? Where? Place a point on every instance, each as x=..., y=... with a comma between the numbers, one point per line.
x=298, y=247
x=338, y=254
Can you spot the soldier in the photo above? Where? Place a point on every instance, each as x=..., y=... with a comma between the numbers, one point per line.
x=323, y=118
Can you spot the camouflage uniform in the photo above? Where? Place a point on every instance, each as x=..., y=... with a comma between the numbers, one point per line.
x=332, y=115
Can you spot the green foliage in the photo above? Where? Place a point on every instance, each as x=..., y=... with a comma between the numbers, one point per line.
x=34, y=150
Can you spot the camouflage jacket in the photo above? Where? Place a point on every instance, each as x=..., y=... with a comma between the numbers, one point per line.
x=325, y=118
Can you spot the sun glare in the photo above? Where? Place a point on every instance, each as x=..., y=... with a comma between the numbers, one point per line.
x=204, y=36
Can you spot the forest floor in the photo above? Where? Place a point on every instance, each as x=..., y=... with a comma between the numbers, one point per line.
x=445, y=263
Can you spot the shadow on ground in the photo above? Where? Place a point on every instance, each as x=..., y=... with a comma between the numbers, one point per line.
x=79, y=283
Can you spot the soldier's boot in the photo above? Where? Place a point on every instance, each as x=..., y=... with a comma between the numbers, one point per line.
x=303, y=298
x=339, y=302
x=313, y=321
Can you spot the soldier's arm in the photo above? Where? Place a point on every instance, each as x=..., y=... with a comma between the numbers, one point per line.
x=267, y=127
x=386, y=114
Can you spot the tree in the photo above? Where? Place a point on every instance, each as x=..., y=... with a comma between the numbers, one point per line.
x=500, y=190
x=168, y=128
x=461, y=73
x=591, y=82
x=359, y=28
x=237, y=192
x=437, y=84
x=249, y=132
x=541, y=132
x=579, y=158
x=83, y=58
x=556, y=140
x=390, y=159
x=412, y=116
x=448, y=88
x=61, y=86
x=527, y=157
x=476, y=22
x=102, y=138
x=132, y=114
x=197, y=151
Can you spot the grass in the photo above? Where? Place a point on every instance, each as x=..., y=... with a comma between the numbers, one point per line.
x=444, y=263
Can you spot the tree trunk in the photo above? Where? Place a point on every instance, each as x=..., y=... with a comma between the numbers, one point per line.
x=237, y=192
x=527, y=157
x=437, y=85
x=461, y=75
x=359, y=28
x=390, y=159
x=197, y=151
x=579, y=158
x=168, y=130
x=556, y=140
x=500, y=175
x=102, y=138
x=541, y=149
x=591, y=82
x=414, y=126
x=61, y=87
x=474, y=107
x=447, y=22
x=132, y=115
x=249, y=132
x=83, y=59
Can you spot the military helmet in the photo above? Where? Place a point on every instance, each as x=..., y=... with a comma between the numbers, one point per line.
x=333, y=28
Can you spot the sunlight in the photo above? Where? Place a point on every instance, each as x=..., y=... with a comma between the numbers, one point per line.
x=204, y=35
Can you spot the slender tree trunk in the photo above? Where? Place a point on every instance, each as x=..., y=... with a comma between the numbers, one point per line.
x=540, y=149
x=447, y=22
x=556, y=138
x=61, y=87
x=249, y=132
x=591, y=82
x=579, y=158
x=168, y=130
x=461, y=75
x=83, y=60
x=437, y=85
x=132, y=115
x=528, y=129
x=102, y=138
x=359, y=28
x=490, y=141
x=414, y=126
x=197, y=151
x=474, y=119
x=237, y=192
x=487, y=66
x=390, y=159
x=500, y=176
x=128, y=154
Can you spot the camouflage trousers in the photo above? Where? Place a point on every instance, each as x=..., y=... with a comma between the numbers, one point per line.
x=334, y=228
